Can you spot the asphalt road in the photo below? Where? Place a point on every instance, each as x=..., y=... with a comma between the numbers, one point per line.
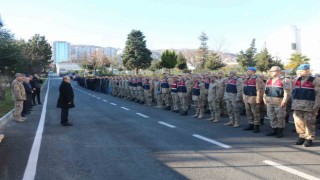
x=116, y=139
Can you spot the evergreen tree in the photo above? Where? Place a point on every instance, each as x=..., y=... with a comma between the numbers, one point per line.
x=203, y=50
x=214, y=62
x=136, y=54
x=168, y=59
x=181, y=62
x=246, y=59
x=264, y=60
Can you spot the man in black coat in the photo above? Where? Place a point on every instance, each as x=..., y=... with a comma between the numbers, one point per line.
x=36, y=87
x=65, y=101
x=27, y=104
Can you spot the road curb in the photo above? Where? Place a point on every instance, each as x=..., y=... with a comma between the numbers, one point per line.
x=7, y=117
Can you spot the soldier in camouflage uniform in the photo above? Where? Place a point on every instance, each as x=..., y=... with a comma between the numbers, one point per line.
x=18, y=96
x=252, y=97
x=305, y=103
x=276, y=95
x=182, y=93
x=222, y=103
x=198, y=97
x=165, y=92
x=140, y=90
x=148, y=90
x=174, y=94
x=189, y=85
x=233, y=97
x=212, y=98
x=157, y=92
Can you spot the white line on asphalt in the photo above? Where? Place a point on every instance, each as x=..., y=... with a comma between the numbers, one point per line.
x=211, y=141
x=89, y=94
x=105, y=100
x=142, y=115
x=166, y=124
x=30, y=171
x=125, y=108
x=94, y=96
x=290, y=170
x=98, y=98
x=113, y=104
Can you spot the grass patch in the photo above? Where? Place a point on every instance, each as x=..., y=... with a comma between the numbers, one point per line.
x=7, y=104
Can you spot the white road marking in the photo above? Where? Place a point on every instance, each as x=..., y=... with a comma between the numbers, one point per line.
x=89, y=94
x=113, y=104
x=30, y=171
x=94, y=96
x=290, y=170
x=142, y=115
x=125, y=108
x=105, y=100
x=166, y=124
x=212, y=141
x=98, y=98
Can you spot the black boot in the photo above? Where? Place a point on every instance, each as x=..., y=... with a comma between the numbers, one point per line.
x=300, y=141
x=307, y=143
x=272, y=133
x=262, y=121
x=287, y=118
x=256, y=129
x=184, y=113
x=279, y=132
x=249, y=128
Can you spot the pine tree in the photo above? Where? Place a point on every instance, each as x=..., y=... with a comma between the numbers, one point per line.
x=214, y=62
x=264, y=60
x=181, y=62
x=246, y=59
x=168, y=59
x=203, y=50
x=136, y=54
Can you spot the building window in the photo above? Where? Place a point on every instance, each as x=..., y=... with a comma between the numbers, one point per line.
x=293, y=46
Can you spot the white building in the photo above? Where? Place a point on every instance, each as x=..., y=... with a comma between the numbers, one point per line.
x=292, y=39
x=61, y=51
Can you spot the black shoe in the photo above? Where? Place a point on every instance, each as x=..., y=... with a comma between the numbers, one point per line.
x=300, y=141
x=272, y=133
x=224, y=115
x=184, y=113
x=279, y=132
x=307, y=143
x=167, y=108
x=262, y=121
x=256, y=129
x=249, y=128
x=67, y=124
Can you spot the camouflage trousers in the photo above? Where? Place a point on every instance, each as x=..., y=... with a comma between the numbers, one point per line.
x=141, y=94
x=305, y=123
x=233, y=108
x=189, y=99
x=183, y=101
x=166, y=97
x=199, y=104
x=127, y=93
x=159, y=100
x=252, y=110
x=175, y=101
x=223, y=107
x=214, y=109
x=18, y=107
x=277, y=116
x=148, y=97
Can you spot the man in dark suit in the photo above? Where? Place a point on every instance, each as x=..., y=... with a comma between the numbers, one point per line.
x=65, y=101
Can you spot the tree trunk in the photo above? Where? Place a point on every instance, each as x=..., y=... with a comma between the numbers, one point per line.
x=137, y=71
x=169, y=71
